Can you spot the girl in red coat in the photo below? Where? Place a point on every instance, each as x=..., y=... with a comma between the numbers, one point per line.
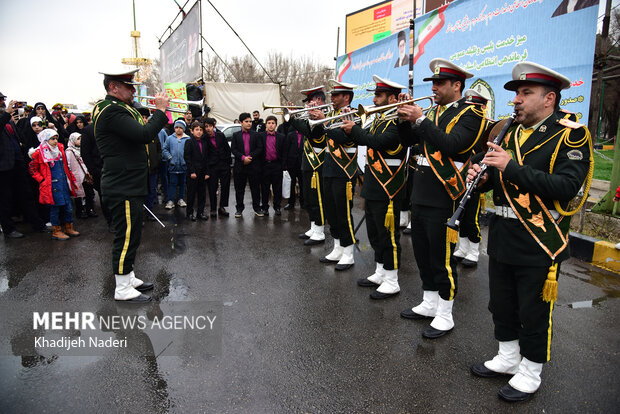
x=56, y=183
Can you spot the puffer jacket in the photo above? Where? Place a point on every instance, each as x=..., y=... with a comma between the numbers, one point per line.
x=173, y=151
x=42, y=173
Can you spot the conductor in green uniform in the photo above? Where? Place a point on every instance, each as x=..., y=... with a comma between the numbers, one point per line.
x=536, y=172
x=122, y=137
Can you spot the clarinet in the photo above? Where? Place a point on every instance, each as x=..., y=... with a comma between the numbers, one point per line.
x=454, y=221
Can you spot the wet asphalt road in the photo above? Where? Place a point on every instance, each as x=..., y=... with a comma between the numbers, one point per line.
x=297, y=336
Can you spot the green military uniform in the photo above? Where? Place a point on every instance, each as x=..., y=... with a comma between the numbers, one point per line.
x=122, y=140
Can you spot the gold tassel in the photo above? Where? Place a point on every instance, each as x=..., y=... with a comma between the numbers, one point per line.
x=452, y=236
x=349, y=190
x=314, y=179
x=550, y=289
x=389, y=217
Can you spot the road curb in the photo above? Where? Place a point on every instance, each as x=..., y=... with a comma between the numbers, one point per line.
x=599, y=253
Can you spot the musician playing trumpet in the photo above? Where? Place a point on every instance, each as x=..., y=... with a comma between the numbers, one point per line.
x=384, y=180
x=446, y=136
x=534, y=174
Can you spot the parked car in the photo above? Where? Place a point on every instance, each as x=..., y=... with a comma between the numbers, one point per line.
x=228, y=130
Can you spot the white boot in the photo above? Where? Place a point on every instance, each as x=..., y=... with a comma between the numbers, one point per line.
x=309, y=232
x=346, y=260
x=377, y=277
x=404, y=218
x=336, y=254
x=527, y=379
x=124, y=290
x=443, y=319
x=462, y=248
x=318, y=232
x=135, y=282
x=390, y=282
x=507, y=359
x=428, y=307
x=472, y=253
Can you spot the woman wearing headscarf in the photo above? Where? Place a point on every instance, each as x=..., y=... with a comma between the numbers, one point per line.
x=56, y=182
x=48, y=121
x=79, y=170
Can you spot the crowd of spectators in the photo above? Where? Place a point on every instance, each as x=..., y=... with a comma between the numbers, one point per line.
x=50, y=167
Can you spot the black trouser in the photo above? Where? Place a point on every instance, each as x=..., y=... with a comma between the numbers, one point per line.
x=469, y=226
x=295, y=174
x=15, y=188
x=127, y=214
x=432, y=250
x=219, y=175
x=242, y=175
x=405, y=204
x=89, y=196
x=196, y=188
x=272, y=178
x=313, y=197
x=518, y=309
x=338, y=209
x=97, y=186
x=385, y=243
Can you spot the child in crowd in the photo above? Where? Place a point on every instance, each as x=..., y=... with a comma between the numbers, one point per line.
x=79, y=170
x=173, y=152
x=197, y=174
x=56, y=182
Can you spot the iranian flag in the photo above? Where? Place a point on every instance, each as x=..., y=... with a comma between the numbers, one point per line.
x=343, y=66
x=430, y=28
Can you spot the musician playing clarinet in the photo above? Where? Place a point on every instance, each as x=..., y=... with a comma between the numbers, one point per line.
x=446, y=136
x=535, y=173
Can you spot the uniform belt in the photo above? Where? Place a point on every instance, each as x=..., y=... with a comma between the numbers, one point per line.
x=508, y=212
x=392, y=162
x=348, y=150
x=317, y=149
x=423, y=161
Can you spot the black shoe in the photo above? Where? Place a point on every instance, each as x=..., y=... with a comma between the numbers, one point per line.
x=91, y=213
x=222, y=212
x=214, y=214
x=508, y=393
x=191, y=217
x=432, y=333
x=303, y=236
x=203, y=217
x=341, y=267
x=366, y=283
x=278, y=212
x=258, y=213
x=13, y=235
x=469, y=263
x=289, y=206
x=145, y=286
x=140, y=299
x=239, y=214
x=312, y=242
x=406, y=230
x=266, y=212
x=480, y=370
x=378, y=295
x=410, y=314
x=324, y=259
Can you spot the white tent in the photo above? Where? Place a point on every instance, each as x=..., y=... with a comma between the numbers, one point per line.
x=228, y=100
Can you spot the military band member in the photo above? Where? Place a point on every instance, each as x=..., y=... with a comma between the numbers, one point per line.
x=446, y=137
x=338, y=171
x=539, y=168
x=122, y=137
x=468, y=248
x=312, y=170
x=385, y=176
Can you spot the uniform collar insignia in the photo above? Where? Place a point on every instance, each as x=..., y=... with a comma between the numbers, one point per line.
x=543, y=128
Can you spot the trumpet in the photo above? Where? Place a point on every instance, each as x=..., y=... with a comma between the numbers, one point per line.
x=303, y=113
x=371, y=109
x=354, y=116
x=169, y=108
x=265, y=107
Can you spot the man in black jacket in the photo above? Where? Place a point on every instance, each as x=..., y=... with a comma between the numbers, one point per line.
x=14, y=183
x=247, y=147
x=94, y=164
x=218, y=163
x=292, y=163
x=195, y=154
x=273, y=143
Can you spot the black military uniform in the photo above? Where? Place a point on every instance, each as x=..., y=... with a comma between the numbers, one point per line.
x=385, y=176
x=311, y=171
x=528, y=236
x=446, y=140
x=292, y=163
x=122, y=137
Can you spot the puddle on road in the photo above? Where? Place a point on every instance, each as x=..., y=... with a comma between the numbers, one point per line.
x=171, y=288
